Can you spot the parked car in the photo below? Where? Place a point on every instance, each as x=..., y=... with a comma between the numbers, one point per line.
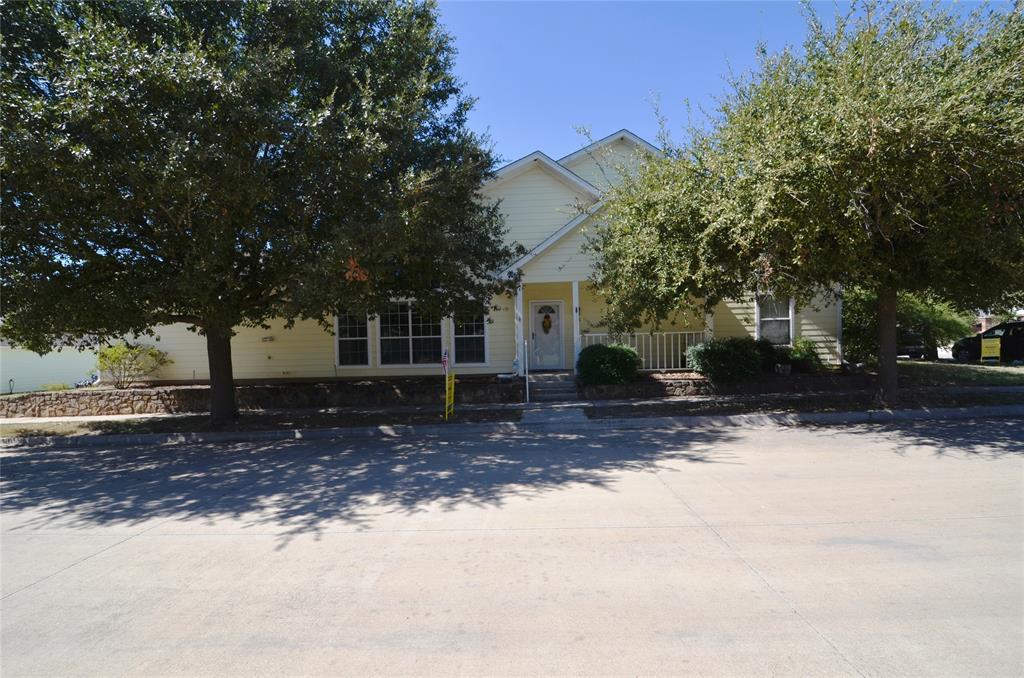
x=910, y=344
x=1011, y=346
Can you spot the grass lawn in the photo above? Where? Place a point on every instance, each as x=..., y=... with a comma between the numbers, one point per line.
x=956, y=374
x=253, y=421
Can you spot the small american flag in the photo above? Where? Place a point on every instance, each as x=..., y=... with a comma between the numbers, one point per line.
x=444, y=360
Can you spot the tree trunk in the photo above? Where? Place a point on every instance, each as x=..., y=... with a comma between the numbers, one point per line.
x=222, y=383
x=887, y=346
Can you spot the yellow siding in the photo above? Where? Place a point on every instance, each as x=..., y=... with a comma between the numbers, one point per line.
x=819, y=322
x=592, y=306
x=535, y=205
x=604, y=167
x=734, y=318
x=307, y=351
x=565, y=260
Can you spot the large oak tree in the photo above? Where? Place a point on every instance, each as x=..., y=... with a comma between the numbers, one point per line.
x=888, y=154
x=224, y=163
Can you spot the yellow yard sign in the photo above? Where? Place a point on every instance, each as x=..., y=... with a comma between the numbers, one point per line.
x=990, y=349
x=449, y=395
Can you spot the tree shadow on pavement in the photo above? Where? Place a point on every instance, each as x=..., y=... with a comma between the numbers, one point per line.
x=980, y=438
x=298, y=487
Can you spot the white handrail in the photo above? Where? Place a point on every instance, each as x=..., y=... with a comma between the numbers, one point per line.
x=526, y=367
x=657, y=350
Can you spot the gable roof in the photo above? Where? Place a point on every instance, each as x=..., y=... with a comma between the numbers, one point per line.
x=621, y=135
x=539, y=159
x=554, y=237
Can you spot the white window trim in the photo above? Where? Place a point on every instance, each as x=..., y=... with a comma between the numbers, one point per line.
x=410, y=365
x=337, y=353
x=792, y=320
x=487, y=343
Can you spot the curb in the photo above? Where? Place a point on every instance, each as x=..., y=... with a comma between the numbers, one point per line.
x=440, y=430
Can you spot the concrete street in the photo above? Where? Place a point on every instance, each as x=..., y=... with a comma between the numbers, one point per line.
x=872, y=550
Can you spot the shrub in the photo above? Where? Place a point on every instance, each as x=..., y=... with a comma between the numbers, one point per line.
x=772, y=355
x=805, y=356
x=54, y=387
x=726, y=360
x=124, y=364
x=607, y=364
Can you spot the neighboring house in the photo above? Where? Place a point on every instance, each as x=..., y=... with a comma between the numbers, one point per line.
x=548, y=205
x=23, y=370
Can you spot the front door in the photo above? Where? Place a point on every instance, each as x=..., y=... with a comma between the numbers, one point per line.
x=546, y=335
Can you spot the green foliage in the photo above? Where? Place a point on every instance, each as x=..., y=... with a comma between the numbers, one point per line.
x=222, y=164
x=939, y=323
x=607, y=364
x=772, y=355
x=804, y=356
x=726, y=360
x=124, y=364
x=887, y=154
x=55, y=387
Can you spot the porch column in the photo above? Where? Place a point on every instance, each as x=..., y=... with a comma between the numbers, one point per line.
x=519, y=328
x=575, y=322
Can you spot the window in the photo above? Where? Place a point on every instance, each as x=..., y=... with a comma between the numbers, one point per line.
x=408, y=337
x=471, y=340
x=352, y=336
x=774, y=320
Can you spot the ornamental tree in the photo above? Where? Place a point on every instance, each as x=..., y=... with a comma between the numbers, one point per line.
x=888, y=154
x=222, y=164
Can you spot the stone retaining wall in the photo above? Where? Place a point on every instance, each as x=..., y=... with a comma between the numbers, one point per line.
x=175, y=399
x=655, y=385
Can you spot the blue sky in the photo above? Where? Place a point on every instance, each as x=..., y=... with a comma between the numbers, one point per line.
x=540, y=69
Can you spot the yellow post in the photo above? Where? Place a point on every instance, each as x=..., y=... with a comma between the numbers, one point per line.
x=449, y=395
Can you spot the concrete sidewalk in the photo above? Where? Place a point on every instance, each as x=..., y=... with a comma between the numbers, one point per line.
x=563, y=418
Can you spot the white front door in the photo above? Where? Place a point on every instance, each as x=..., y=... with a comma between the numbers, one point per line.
x=546, y=344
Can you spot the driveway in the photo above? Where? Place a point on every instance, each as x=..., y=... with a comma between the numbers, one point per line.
x=860, y=551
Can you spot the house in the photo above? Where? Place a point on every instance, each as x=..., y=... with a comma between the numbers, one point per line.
x=548, y=205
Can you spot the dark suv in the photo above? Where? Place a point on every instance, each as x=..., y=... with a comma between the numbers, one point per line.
x=1011, y=347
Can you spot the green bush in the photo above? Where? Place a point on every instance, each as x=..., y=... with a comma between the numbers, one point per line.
x=804, y=356
x=124, y=364
x=607, y=364
x=726, y=360
x=54, y=387
x=772, y=355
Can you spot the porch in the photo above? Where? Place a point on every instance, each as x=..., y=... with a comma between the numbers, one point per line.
x=554, y=321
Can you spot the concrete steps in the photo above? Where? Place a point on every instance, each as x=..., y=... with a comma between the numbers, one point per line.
x=553, y=387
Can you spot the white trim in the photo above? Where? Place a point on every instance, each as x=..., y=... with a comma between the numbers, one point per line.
x=540, y=159
x=554, y=238
x=792, y=319
x=621, y=135
x=577, y=342
x=518, y=323
x=839, y=325
x=487, y=343
x=337, y=353
x=561, y=330
x=408, y=365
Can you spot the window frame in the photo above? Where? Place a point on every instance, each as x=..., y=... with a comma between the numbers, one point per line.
x=337, y=348
x=487, y=342
x=409, y=365
x=792, y=318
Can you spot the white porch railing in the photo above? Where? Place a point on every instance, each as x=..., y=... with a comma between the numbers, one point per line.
x=657, y=350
